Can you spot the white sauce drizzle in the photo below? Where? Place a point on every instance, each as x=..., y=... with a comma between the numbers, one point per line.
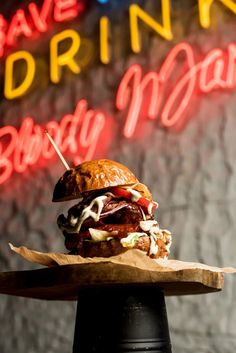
x=168, y=247
x=150, y=207
x=153, y=246
x=150, y=226
x=73, y=220
x=147, y=225
x=87, y=211
x=156, y=232
x=135, y=194
x=143, y=214
x=101, y=235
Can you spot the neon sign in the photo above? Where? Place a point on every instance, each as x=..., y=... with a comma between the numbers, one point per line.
x=83, y=130
x=216, y=71
x=76, y=132
x=26, y=23
x=63, y=10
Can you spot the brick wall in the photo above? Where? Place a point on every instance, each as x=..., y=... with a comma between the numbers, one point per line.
x=191, y=172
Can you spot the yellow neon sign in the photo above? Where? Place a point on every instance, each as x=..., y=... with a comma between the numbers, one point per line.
x=65, y=59
x=10, y=91
x=137, y=13
x=79, y=51
x=104, y=34
x=204, y=10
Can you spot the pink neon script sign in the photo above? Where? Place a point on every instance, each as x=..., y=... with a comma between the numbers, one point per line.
x=215, y=71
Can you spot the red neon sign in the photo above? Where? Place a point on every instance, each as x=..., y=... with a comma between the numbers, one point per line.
x=166, y=94
x=216, y=71
x=76, y=134
x=25, y=23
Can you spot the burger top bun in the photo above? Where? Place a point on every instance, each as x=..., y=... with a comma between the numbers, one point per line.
x=91, y=176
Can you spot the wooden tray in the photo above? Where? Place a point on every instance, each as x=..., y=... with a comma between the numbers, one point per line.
x=64, y=282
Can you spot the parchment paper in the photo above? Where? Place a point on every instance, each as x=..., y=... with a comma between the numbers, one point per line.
x=133, y=258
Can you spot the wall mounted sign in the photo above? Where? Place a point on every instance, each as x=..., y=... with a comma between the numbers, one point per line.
x=64, y=10
x=82, y=130
x=25, y=23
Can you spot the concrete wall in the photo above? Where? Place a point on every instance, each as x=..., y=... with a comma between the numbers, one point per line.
x=191, y=172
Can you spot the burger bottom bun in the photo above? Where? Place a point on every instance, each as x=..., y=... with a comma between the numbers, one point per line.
x=113, y=247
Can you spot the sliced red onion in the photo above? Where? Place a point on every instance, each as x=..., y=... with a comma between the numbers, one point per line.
x=114, y=210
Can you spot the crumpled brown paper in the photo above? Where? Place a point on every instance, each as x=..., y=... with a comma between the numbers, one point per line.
x=66, y=274
x=133, y=258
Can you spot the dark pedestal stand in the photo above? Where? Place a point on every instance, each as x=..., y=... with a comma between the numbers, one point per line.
x=121, y=319
x=121, y=308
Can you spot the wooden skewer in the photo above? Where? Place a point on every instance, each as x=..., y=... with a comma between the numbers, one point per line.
x=57, y=150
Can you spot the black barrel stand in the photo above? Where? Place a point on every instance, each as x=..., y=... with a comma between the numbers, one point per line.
x=121, y=319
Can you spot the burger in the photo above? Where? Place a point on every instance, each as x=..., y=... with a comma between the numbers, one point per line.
x=113, y=213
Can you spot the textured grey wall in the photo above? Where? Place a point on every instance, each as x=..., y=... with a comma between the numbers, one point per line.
x=192, y=174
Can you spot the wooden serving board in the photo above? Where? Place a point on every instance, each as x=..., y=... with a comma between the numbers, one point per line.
x=64, y=282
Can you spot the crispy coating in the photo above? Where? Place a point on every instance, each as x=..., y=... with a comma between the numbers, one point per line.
x=114, y=247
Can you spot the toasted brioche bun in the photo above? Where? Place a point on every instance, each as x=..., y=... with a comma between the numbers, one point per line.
x=91, y=176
